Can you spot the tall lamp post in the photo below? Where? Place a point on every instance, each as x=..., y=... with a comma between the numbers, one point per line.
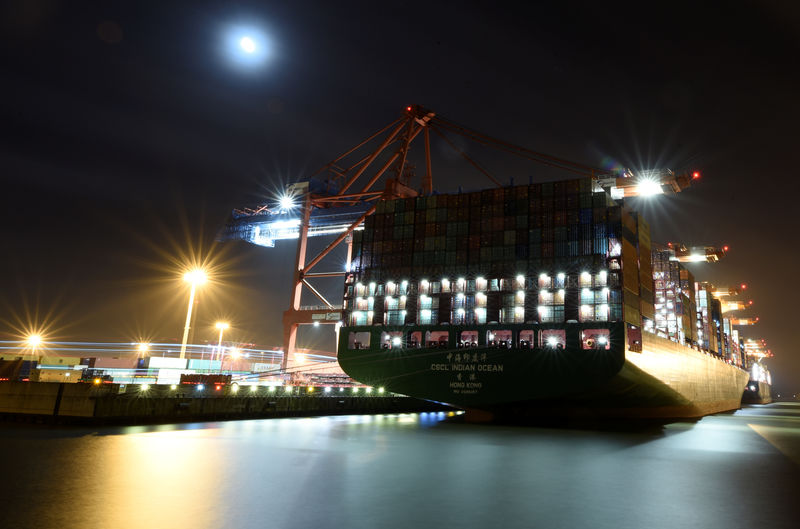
x=222, y=326
x=195, y=277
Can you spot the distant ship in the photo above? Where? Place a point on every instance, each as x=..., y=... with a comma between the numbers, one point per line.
x=759, y=387
x=542, y=298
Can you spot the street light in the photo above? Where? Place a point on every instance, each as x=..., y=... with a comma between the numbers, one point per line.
x=143, y=348
x=195, y=277
x=34, y=340
x=221, y=325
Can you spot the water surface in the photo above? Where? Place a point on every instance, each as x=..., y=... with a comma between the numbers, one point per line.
x=406, y=471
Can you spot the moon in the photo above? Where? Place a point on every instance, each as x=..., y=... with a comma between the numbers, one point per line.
x=247, y=44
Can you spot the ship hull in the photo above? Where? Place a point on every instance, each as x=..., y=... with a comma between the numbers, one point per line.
x=663, y=380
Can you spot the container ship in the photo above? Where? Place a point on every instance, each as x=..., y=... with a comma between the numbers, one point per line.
x=528, y=299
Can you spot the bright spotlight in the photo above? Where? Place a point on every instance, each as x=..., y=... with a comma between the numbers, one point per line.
x=648, y=188
x=286, y=202
x=396, y=340
x=195, y=277
x=34, y=340
x=552, y=341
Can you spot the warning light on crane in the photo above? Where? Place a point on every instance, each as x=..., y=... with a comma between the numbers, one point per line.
x=695, y=175
x=725, y=248
x=408, y=109
x=744, y=287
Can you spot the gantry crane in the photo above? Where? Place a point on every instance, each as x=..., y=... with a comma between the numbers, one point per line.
x=697, y=254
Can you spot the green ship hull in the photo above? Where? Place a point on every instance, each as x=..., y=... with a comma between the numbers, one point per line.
x=663, y=379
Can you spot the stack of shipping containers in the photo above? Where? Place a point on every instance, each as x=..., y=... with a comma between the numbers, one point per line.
x=716, y=333
x=541, y=253
x=707, y=328
x=676, y=310
x=548, y=252
x=688, y=305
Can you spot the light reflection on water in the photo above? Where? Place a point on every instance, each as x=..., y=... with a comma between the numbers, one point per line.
x=401, y=470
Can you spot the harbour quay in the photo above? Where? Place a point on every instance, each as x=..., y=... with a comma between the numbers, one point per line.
x=65, y=403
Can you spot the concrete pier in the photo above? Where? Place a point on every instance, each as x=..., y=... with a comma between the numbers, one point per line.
x=130, y=404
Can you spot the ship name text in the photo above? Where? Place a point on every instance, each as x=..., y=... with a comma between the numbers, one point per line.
x=468, y=367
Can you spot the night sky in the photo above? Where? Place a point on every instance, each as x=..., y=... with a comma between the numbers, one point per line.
x=129, y=132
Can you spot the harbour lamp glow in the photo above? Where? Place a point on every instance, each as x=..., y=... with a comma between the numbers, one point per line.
x=173, y=386
x=145, y=387
x=647, y=187
x=286, y=202
x=195, y=277
x=396, y=340
x=143, y=348
x=200, y=387
x=34, y=340
x=552, y=341
x=254, y=388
